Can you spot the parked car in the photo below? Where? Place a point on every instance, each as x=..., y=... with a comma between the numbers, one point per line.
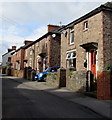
x=42, y=76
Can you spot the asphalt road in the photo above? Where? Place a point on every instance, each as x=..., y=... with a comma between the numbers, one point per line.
x=20, y=101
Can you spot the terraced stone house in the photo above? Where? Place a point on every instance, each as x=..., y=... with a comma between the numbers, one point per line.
x=86, y=46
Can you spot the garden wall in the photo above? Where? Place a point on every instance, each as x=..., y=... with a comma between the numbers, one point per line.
x=52, y=80
x=17, y=73
x=76, y=80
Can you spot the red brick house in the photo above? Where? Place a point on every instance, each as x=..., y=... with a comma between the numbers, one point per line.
x=40, y=54
x=86, y=45
x=17, y=58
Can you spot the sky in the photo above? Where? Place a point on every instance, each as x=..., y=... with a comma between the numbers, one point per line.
x=22, y=20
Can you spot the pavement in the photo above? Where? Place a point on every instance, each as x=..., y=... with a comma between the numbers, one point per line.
x=101, y=107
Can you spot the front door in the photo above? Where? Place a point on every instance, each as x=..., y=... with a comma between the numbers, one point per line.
x=93, y=63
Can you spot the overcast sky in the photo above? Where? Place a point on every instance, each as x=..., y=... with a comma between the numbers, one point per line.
x=21, y=21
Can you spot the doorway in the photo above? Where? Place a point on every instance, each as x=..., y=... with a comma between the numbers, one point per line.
x=93, y=63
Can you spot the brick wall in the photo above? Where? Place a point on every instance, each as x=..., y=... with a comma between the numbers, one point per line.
x=104, y=76
x=52, y=27
x=63, y=50
x=30, y=57
x=22, y=58
x=13, y=61
x=17, y=73
x=54, y=53
x=103, y=85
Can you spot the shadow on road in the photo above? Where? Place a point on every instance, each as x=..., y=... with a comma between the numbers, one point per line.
x=20, y=101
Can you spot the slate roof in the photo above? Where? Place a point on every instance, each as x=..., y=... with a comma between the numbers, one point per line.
x=56, y=31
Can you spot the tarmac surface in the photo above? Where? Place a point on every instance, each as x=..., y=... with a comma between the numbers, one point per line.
x=101, y=107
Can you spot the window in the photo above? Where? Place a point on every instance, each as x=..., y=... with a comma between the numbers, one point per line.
x=30, y=62
x=46, y=41
x=37, y=44
x=30, y=52
x=68, y=56
x=85, y=25
x=71, y=59
x=71, y=36
x=9, y=59
x=26, y=53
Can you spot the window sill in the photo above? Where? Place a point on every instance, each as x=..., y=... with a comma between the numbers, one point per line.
x=71, y=44
x=85, y=30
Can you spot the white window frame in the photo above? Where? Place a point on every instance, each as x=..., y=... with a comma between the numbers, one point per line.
x=85, y=25
x=71, y=56
x=71, y=32
x=31, y=51
x=67, y=55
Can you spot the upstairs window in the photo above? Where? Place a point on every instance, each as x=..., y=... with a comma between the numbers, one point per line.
x=71, y=36
x=46, y=42
x=26, y=52
x=30, y=52
x=9, y=59
x=85, y=25
x=37, y=44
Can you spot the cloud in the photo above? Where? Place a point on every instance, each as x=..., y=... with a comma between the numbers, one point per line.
x=36, y=12
x=53, y=0
x=29, y=20
x=37, y=33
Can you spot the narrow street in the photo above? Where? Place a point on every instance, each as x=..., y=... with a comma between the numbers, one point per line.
x=20, y=101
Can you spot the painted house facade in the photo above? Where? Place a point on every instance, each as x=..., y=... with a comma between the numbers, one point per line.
x=86, y=45
x=6, y=58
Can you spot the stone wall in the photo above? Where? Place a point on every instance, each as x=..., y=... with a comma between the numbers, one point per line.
x=76, y=80
x=107, y=36
x=52, y=80
x=54, y=53
x=17, y=73
x=94, y=33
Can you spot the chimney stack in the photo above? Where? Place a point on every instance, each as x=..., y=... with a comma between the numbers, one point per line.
x=52, y=27
x=9, y=50
x=26, y=42
x=13, y=47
